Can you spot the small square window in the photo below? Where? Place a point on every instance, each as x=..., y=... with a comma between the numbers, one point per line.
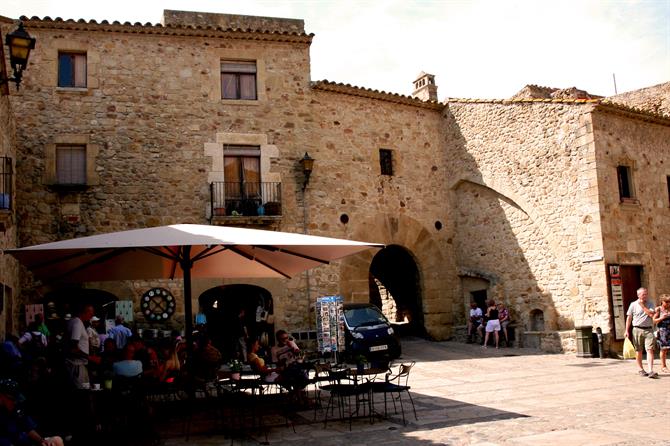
x=386, y=161
x=71, y=165
x=72, y=70
x=238, y=80
x=624, y=176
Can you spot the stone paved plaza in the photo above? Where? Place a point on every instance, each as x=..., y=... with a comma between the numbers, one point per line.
x=466, y=395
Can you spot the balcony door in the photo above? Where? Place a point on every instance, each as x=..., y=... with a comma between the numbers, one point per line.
x=242, y=172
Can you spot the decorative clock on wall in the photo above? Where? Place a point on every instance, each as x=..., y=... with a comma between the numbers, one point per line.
x=158, y=304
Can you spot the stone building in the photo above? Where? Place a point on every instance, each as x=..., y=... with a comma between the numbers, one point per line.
x=554, y=202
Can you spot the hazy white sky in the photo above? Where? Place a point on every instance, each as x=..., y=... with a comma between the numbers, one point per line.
x=475, y=48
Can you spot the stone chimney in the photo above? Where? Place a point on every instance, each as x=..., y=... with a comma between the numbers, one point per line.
x=425, y=88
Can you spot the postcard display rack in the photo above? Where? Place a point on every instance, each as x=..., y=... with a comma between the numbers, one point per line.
x=330, y=324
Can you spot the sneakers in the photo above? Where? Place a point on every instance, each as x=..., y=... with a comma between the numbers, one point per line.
x=653, y=375
x=642, y=373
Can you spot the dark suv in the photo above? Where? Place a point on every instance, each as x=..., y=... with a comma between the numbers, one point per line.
x=369, y=333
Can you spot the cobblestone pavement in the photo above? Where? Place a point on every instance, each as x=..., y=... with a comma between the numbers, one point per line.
x=466, y=395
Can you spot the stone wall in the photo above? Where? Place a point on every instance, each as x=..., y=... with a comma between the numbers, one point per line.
x=636, y=232
x=155, y=128
x=232, y=21
x=526, y=211
x=501, y=194
x=10, y=308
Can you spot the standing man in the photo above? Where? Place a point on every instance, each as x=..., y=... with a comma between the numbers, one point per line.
x=76, y=336
x=639, y=315
x=242, y=335
x=120, y=333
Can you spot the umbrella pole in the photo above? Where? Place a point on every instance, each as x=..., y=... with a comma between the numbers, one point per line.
x=186, y=265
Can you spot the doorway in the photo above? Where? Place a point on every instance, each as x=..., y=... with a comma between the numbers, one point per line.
x=480, y=298
x=221, y=307
x=395, y=288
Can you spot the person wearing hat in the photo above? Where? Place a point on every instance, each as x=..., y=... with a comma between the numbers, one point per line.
x=93, y=336
x=17, y=429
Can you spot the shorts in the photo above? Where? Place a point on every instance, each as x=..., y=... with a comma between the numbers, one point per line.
x=493, y=325
x=643, y=336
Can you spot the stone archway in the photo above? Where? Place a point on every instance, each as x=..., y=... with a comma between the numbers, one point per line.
x=432, y=252
x=221, y=306
x=395, y=288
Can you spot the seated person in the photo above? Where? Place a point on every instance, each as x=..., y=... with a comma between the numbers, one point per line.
x=152, y=367
x=17, y=429
x=257, y=363
x=128, y=366
x=285, y=355
x=475, y=321
x=207, y=358
x=286, y=351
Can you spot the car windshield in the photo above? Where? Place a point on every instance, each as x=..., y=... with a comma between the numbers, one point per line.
x=358, y=317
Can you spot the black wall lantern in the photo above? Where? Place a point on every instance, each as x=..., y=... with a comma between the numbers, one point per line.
x=20, y=43
x=307, y=164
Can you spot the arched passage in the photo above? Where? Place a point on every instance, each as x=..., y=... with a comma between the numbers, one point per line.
x=395, y=288
x=221, y=306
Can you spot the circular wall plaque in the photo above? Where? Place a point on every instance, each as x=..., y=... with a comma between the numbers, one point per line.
x=158, y=304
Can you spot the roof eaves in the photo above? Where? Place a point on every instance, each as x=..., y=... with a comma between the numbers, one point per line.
x=149, y=28
x=521, y=101
x=348, y=89
x=633, y=112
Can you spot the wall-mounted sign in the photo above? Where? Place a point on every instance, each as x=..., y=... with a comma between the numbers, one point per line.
x=618, y=311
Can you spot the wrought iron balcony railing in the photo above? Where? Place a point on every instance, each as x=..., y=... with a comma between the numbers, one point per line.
x=245, y=199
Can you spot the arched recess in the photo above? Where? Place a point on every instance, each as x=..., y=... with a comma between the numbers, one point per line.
x=221, y=306
x=432, y=254
x=395, y=288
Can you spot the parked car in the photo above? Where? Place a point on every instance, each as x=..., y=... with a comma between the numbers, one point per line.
x=369, y=333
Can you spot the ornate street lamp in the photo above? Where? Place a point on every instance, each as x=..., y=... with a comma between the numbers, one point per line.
x=20, y=43
x=307, y=164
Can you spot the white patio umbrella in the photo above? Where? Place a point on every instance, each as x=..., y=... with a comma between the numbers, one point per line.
x=184, y=251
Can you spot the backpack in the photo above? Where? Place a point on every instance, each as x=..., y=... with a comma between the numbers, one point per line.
x=35, y=347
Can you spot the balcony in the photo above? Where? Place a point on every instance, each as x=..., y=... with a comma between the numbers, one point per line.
x=254, y=204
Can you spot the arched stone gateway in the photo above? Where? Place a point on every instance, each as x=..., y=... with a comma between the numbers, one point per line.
x=395, y=288
x=435, y=283
x=221, y=306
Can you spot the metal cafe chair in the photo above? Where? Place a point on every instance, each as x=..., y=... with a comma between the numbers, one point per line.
x=348, y=394
x=395, y=386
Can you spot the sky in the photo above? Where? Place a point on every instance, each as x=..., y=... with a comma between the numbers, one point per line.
x=475, y=49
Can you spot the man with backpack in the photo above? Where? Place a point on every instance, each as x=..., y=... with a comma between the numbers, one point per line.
x=33, y=343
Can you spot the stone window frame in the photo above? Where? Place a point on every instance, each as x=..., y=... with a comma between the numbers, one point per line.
x=92, y=151
x=92, y=65
x=215, y=150
x=217, y=55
